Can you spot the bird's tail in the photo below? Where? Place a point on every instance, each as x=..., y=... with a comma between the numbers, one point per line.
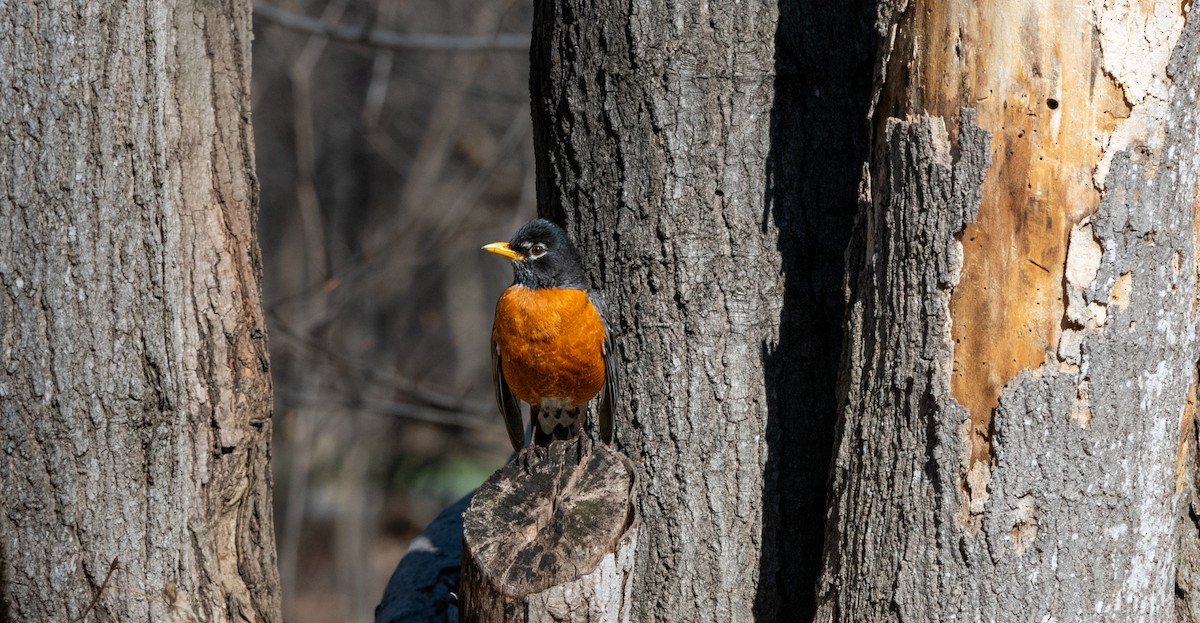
x=551, y=423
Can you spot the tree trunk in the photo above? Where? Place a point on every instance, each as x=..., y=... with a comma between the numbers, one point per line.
x=652, y=138
x=135, y=394
x=706, y=162
x=1021, y=330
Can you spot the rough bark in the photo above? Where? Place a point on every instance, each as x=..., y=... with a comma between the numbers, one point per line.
x=1021, y=330
x=706, y=162
x=135, y=393
x=552, y=539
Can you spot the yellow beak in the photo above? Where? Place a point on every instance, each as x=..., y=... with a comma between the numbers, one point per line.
x=502, y=248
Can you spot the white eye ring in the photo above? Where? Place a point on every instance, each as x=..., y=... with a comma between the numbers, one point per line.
x=537, y=250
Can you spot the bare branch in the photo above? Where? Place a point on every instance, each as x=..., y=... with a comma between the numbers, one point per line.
x=498, y=42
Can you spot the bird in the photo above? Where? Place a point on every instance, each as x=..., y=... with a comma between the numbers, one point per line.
x=552, y=343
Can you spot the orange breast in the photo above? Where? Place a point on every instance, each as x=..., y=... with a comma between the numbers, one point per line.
x=551, y=344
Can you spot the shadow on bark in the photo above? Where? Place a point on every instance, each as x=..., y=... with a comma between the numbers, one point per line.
x=4, y=580
x=824, y=60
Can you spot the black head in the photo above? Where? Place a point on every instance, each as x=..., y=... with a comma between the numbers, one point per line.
x=542, y=256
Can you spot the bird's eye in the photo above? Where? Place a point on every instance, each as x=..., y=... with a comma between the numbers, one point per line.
x=537, y=250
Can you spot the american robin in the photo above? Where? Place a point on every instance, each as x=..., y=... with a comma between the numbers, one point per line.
x=551, y=341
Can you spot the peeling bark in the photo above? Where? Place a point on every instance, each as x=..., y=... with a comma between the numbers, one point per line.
x=135, y=392
x=1020, y=341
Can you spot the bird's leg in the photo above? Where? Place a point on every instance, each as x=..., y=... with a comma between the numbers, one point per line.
x=529, y=456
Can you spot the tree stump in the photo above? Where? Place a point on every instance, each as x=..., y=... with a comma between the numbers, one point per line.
x=552, y=542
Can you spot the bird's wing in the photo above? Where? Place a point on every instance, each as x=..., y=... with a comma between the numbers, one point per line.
x=510, y=409
x=608, y=395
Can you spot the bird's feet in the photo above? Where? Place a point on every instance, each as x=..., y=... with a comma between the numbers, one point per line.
x=529, y=456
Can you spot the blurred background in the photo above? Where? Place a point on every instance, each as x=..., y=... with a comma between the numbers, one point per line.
x=386, y=159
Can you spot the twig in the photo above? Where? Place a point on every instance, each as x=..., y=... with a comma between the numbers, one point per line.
x=308, y=203
x=301, y=439
x=377, y=38
x=100, y=591
x=467, y=197
x=381, y=73
x=386, y=408
x=424, y=395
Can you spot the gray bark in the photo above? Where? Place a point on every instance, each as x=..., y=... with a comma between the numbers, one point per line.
x=707, y=165
x=652, y=137
x=1059, y=502
x=135, y=391
x=707, y=162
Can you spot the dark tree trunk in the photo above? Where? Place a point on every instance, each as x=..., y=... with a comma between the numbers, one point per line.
x=135, y=397
x=1021, y=331
x=706, y=160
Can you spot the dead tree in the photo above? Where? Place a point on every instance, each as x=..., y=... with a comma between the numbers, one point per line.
x=1021, y=331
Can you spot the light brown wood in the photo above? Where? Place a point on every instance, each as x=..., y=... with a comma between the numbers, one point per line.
x=1020, y=341
x=1055, y=85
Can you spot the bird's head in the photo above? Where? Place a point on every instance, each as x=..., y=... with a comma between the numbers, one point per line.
x=542, y=256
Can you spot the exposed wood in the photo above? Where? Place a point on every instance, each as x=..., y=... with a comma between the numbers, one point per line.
x=552, y=539
x=1053, y=85
x=1187, y=570
x=135, y=396
x=1021, y=338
